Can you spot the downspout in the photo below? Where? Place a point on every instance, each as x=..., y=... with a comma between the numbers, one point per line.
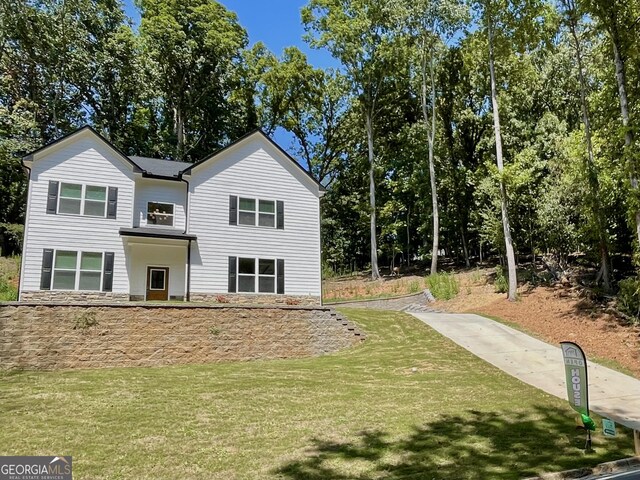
x=186, y=224
x=24, y=233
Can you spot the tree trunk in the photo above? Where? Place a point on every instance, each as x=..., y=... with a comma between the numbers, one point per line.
x=592, y=174
x=430, y=124
x=179, y=128
x=408, y=238
x=375, y=273
x=511, y=261
x=621, y=79
x=465, y=250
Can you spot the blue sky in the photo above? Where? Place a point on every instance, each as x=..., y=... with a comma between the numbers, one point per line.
x=276, y=23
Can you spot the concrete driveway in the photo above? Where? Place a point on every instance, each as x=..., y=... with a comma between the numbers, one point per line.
x=611, y=394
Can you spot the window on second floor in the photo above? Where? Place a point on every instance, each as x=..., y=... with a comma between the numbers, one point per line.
x=78, y=199
x=160, y=214
x=263, y=216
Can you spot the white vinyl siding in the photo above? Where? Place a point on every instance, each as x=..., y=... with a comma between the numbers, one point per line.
x=145, y=253
x=79, y=162
x=254, y=169
x=150, y=190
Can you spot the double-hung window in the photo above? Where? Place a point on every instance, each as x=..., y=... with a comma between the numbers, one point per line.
x=266, y=276
x=77, y=270
x=267, y=213
x=160, y=214
x=78, y=199
x=254, y=212
x=256, y=275
x=247, y=211
x=246, y=275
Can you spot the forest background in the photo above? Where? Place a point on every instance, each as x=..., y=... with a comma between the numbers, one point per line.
x=503, y=129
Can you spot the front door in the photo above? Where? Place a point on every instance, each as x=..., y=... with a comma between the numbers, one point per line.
x=157, y=283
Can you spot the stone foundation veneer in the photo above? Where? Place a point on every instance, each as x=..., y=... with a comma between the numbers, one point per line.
x=249, y=299
x=50, y=336
x=221, y=298
x=62, y=296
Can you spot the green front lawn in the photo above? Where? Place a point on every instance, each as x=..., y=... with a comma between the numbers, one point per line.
x=406, y=404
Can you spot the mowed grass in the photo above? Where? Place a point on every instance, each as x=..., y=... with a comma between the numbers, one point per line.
x=407, y=404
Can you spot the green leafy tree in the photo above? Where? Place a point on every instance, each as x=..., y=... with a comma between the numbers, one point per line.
x=358, y=33
x=193, y=47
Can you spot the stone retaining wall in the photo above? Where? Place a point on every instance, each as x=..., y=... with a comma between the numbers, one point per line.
x=48, y=336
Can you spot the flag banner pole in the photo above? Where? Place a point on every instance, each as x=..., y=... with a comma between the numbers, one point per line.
x=575, y=367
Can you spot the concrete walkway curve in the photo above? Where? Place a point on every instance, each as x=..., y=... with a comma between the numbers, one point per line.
x=611, y=394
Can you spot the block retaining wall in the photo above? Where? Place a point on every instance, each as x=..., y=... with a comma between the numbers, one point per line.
x=48, y=336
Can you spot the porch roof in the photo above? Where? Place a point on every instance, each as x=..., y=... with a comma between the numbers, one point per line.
x=156, y=233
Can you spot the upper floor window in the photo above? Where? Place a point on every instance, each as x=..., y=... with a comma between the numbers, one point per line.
x=256, y=212
x=160, y=213
x=265, y=214
x=78, y=199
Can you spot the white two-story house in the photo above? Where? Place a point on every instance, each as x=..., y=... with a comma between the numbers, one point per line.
x=242, y=225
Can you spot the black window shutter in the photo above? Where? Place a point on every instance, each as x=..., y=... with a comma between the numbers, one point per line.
x=232, y=274
x=233, y=210
x=280, y=214
x=112, y=205
x=280, y=289
x=47, y=264
x=107, y=276
x=52, y=198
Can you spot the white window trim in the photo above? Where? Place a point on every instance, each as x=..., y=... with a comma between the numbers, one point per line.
x=83, y=200
x=164, y=271
x=256, y=212
x=155, y=225
x=256, y=276
x=77, y=270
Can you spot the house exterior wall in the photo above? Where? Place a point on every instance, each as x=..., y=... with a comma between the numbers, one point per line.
x=167, y=254
x=257, y=170
x=87, y=161
x=253, y=168
x=163, y=191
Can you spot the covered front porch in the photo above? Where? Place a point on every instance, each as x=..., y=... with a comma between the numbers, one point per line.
x=158, y=263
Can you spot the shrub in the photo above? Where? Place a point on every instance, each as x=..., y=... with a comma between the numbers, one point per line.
x=629, y=297
x=443, y=286
x=85, y=320
x=327, y=271
x=501, y=283
x=414, y=286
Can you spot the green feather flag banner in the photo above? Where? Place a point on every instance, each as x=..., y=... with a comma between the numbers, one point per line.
x=575, y=367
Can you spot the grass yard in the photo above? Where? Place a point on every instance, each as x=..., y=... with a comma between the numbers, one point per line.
x=408, y=404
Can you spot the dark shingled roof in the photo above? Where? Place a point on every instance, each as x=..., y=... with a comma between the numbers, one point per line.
x=158, y=167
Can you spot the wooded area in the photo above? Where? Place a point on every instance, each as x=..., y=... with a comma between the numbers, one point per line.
x=478, y=128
